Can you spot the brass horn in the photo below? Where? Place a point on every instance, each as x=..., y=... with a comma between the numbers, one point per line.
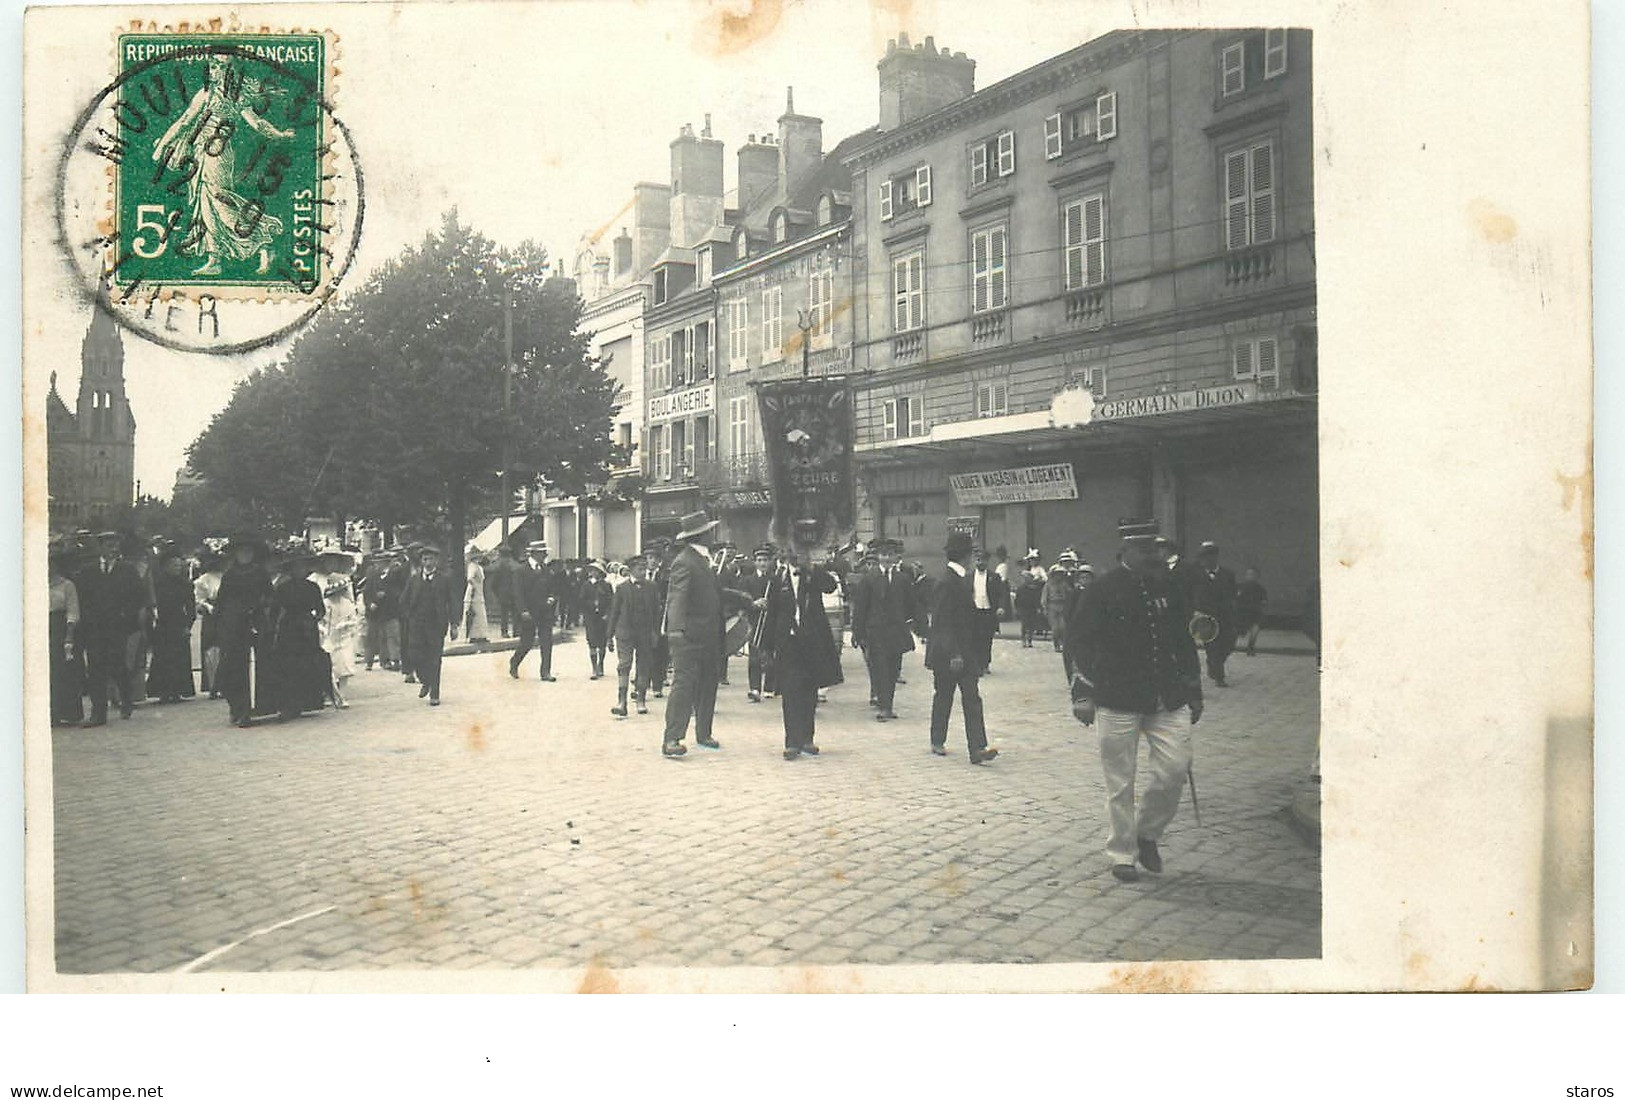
x=1204, y=628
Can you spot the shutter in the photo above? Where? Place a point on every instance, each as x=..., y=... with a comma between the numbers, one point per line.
x=984, y=400
x=978, y=164
x=1232, y=61
x=889, y=419
x=1007, y=153
x=922, y=185
x=1268, y=371
x=916, y=290
x=916, y=416
x=885, y=200
x=899, y=276
x=1073, y=229
x=978, y=272
x=1235, y=199
x=1106, y=116
x=1243, y=360
x=998, y=294
x=1094, y=237
x=1052, y=137
x=1274, y=52
x=1263, y=194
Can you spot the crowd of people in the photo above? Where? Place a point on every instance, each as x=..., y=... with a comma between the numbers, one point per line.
x=280, y=633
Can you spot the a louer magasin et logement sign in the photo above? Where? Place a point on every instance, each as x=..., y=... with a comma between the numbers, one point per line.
x=700, y=399
x=1053, y=482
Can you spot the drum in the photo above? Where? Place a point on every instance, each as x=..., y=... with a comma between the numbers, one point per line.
x=736, y=634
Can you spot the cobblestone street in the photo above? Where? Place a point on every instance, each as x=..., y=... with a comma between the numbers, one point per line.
x=520, y=825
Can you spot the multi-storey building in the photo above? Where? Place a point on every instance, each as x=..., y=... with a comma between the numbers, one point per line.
x=91, y=450
x=1088, y=291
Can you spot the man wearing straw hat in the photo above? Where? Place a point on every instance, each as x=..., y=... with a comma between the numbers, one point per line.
x=693, y=629
x=1135, y=669
x=536, y=599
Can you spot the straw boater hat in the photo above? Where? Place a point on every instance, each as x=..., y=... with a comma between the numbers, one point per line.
x=536, y=546
x=695, y=524
x=1136, y=530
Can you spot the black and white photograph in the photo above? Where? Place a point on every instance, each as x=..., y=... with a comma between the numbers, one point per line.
x=820, y=497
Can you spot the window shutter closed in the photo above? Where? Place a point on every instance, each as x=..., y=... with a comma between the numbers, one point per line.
x=1274, y=52
x=1263, y=194
x=899, y=288
x=1074, y=246
x=978, y=164
x=1106, y=116
x=1243, y=360
x=1231, y=62
x=885, y=200
x=889, y=419
x=1052, y=137
x=916, y=415
x=1235, y=199
x=998, y=294
x=978, y=264
x=916, y=289
x=922, y=185
x=1094, y=235
x=1007, y=153
x=1268, y=372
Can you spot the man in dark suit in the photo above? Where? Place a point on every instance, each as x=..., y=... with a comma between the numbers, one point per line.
x=753, y=582
x=112, y=602
x=1135, y=669
x=634, y=620
x=432, y=604
x=989, y=594
x=796, y=631
x=693, y=628
x=1210, y=588
x=953, y=653
x=884, y=622
x=537, y=602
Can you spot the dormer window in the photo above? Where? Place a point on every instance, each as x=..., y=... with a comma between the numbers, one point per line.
x=826, y=209
x=905, y=192
x=660, y=285
x=1080, y=125
x=993, y=158
x=702, y=270
x=781, y=227
x=741, y=245
x=1246, y=63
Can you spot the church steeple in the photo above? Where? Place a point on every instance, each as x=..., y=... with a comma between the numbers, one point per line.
x=103, y=410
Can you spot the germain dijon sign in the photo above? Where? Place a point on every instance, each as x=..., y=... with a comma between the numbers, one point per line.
x=1213, y=397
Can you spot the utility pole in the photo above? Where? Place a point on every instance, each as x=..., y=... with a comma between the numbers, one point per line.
x=507, y=400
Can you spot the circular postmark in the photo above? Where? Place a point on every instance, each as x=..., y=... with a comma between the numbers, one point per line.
x=209, y=199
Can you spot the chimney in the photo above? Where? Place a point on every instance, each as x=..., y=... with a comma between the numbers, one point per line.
x=758, y=172
x=623, y=253
x=801, y=142
x=651, y=224
x=914, y=81
x=696, y=185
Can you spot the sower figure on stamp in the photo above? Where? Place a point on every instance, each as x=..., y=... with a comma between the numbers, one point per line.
x=432, y=605
x=634, y=619
x=796, y=632
x=112, y=597
x=953, y=651
x=884, y=623
x=1135, y=671
x=693, y=630
x=537, y=603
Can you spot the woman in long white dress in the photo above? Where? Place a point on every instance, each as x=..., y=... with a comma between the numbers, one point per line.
x=474, y=617
x=338, y=628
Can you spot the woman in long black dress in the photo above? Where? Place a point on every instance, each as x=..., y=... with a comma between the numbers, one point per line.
x=67, y=671
x=299, y=662
x=170, y=679
x=239, y=618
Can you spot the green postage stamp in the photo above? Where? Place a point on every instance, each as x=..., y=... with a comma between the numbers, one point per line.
x=219, y=180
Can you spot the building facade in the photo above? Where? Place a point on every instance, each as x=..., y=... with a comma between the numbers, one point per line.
x=1088, y=291
x=91, y=450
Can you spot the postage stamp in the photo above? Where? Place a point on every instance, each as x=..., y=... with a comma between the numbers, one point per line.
x=210, y=198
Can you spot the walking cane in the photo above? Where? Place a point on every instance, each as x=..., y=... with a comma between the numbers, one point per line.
x=1190, y=774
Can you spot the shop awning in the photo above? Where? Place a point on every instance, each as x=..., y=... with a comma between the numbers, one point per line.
x=491, y=536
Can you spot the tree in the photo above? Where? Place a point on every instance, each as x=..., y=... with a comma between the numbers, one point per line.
x=390, y=405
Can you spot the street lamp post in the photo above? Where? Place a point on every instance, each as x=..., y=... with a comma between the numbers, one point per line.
x=804, y=321
x=507, y=400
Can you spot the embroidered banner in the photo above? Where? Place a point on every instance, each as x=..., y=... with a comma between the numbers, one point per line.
x=807, y=426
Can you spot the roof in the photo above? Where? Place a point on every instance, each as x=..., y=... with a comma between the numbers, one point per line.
x=676, y=254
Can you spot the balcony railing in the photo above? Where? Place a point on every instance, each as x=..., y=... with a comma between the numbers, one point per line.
x=907, y=346
x=985, y=327
x=733, y=472
x=1086, y=306
x=1249, y=266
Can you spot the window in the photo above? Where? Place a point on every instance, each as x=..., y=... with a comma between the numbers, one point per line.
x=1249, y=196
x=821, y=301
x=826, y=210
x=903, y=417
x=908, y=292
x=1093, y=380
x=1250, y=61
x=1085, y=228
x=702, y=273
x=699, y=345
x=740, y=435
x=1259, y=360
x=623, y=435
x=989, y=285
x=781, y=227
x=1080, y=126
x=660, y=363
x=996, y=157
x=738, y=347
x=992, y=398
x=905, y=192
x=772, y=324
x=660, y=285
x=682, y=450
x=704, y=442
x=682, y=361
x=659, y=454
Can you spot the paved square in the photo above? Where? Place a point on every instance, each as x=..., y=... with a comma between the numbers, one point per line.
x=520, y=825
